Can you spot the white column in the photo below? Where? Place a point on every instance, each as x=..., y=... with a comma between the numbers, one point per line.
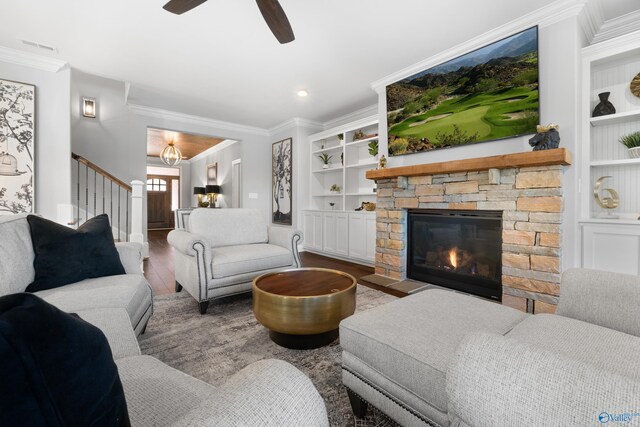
x=136, y=214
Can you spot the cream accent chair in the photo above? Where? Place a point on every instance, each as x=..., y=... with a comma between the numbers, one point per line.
x=223, y=250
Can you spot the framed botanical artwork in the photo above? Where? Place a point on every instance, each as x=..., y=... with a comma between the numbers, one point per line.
x=212, y=174
x=281, y=171
x=17, y=147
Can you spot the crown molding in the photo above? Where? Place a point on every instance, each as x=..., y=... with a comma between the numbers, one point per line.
x=295, y=122
x=617, y=27
x=365, y=112
x=591, y=19
x=196, y=120
x=219, y=146
x=32, y=60
x=543, y=17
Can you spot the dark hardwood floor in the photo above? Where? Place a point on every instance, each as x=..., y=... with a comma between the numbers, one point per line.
x=158, y=269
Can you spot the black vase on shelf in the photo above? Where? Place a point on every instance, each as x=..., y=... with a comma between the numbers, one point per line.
x=604, y=107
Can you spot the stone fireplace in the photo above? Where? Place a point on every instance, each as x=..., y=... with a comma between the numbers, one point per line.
x=526, y=188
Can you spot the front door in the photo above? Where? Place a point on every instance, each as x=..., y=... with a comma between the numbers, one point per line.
x=159, y=214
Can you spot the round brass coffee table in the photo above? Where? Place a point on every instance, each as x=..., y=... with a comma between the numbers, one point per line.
x=303, y=307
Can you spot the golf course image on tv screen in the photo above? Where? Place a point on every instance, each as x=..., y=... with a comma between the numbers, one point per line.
x=488, y=94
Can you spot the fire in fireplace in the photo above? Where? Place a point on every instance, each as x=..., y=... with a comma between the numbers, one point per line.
x=460, y=250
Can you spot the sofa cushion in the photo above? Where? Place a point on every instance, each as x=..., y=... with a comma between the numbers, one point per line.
x=65, y=255
x=228, y=227
x=412, y=340
x=234, y=260
x=116, y=326
x=606, y=349
x=128, y=291
x=57, y=369
x=16, y=254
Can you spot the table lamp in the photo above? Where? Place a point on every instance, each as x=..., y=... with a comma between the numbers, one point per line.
x=199, y=191
x=213, y=191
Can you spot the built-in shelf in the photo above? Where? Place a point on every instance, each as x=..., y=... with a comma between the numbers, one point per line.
x=620, y=162
x=363, y=164
x=362, y=141
x=338, y=169
x=614, y=221
x=328, y=195
x=625, y=117
x=362, y=193
x=326, y=150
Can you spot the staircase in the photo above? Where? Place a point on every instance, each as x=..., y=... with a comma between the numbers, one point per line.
x=99, y=192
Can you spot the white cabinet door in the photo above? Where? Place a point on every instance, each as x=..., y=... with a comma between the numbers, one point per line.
x=317, y=231
x=370, y=238
x=307, y=230
x=329, y=232
x=342, y=234
x=613, y=248
x=357, y=235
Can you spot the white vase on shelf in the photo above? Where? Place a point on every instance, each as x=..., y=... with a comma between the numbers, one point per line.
x=634, y=152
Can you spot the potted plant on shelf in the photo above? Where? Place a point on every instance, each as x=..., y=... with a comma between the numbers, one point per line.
x=325, y=160
x=335, y=188
x=340, y=136
x=632, y=142
x=373, y=148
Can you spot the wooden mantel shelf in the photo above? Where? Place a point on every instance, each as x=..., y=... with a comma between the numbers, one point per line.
x=558, y=156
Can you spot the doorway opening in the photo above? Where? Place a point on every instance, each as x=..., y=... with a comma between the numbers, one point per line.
x=163, y=197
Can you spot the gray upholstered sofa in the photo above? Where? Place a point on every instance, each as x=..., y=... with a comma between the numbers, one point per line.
x=265, y=393
x=129, y=291
x=223, y=250
x=443, y=358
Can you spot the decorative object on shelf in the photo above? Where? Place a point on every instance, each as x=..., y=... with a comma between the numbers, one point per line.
x=322, y=143
x=632, y=142
x=635, y=85
x=382, y=163
x=604, y=107
x=369, y=206
x=170, y=155
x=458, y=102
x=17, y=147
x=89, y=107
x=212, y=173
x=340, y=136
x=547, y=137
x=326, y=159
x=332, y=204
x=213, y=191
x=609, y=202
x=200, y=191
x=282, y=174
x=335, y=188
x=373, y=148
x=342, y=159
x=358, y=135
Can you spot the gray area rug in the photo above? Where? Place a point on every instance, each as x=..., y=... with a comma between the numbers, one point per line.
x=215, y=346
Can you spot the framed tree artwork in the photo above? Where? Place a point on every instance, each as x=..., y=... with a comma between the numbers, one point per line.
x=212, y=174
x=282, y=194
x=17, y=147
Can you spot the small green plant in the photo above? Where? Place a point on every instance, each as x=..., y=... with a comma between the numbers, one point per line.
x=631, y=140
x=325, y=158
x=373, y=148
x=335, y=187
x=340, y=136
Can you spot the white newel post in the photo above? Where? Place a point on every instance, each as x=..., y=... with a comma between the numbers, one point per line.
x=136, y=215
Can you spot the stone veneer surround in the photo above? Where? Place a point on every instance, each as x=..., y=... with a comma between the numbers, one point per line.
x=532, y=202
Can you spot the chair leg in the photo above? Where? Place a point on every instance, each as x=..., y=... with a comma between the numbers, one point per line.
x=358, y=404
x=178, y=286
x=203, y=307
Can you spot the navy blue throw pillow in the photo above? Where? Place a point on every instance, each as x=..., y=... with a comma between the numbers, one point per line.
x=57, y=370
x=65, y=255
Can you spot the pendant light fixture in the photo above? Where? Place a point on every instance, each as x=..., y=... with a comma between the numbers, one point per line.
x=170, y=155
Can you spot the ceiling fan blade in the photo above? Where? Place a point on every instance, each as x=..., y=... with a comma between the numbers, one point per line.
x=276, y=20
x=181, y=6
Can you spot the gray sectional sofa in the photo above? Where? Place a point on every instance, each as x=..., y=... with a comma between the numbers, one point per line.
x=265, y=393
x=223, y=250
x=440, y=358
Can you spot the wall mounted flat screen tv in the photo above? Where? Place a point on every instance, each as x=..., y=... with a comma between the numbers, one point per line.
x=484, y=95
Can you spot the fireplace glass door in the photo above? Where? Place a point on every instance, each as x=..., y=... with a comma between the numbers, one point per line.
x=461, y=250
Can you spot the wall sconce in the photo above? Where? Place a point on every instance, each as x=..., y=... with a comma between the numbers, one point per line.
x=89, y=107
x=213, y=191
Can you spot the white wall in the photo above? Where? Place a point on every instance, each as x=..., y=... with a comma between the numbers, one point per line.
x=223, y=157
x=52, y=138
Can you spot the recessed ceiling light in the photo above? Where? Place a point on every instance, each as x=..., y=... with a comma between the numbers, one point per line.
x=302, y=93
